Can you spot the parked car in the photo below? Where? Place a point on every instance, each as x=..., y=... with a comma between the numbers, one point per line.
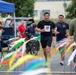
x=27, y=21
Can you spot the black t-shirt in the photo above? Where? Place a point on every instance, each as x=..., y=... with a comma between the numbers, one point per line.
x=48, y=26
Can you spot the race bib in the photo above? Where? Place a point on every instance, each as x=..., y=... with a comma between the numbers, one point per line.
x=64, y=26
x=47, y=28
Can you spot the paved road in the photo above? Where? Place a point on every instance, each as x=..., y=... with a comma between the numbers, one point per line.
x=56, y=68
x=55, y=64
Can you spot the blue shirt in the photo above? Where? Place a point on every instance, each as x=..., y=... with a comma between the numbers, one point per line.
x=30, y=30
x=61, y=27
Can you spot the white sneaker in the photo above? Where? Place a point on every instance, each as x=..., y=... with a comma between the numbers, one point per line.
x=61, y=62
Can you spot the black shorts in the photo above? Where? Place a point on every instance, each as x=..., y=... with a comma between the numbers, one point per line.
x=46, y=41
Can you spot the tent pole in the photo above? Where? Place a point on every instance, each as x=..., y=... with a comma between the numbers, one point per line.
x=14, y=25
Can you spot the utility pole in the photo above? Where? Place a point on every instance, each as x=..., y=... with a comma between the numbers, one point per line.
x=65, y=5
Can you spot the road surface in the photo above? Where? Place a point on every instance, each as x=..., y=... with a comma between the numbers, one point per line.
x=56, y=68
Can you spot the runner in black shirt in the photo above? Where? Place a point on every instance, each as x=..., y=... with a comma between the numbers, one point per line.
x=46, y=27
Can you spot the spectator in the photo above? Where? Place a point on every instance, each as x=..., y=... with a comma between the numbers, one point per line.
x=1, y=40
x=22, y=29
x=1, y=30
x=12, y=23
x=30, y=31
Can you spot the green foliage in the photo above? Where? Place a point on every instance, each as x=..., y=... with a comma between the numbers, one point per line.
x=23, y=8
x=70, y=9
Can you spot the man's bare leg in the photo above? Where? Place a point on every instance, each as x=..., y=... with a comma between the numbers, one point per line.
x=48, y=58
x=47, y=53
x=44, y=49
x=62, y=58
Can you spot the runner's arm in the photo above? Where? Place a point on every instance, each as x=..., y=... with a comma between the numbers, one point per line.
x=38, y=28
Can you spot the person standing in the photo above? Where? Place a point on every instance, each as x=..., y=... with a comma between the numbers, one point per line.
x=46, y=27
x=30, y=31
x=72, y=32
x=1, y=30
x=22, y=29
x=12, y=23
x=61, y=33
x=1, y=39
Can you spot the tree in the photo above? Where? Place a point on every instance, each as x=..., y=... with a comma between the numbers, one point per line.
x=23, y=8
x=70, y=9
